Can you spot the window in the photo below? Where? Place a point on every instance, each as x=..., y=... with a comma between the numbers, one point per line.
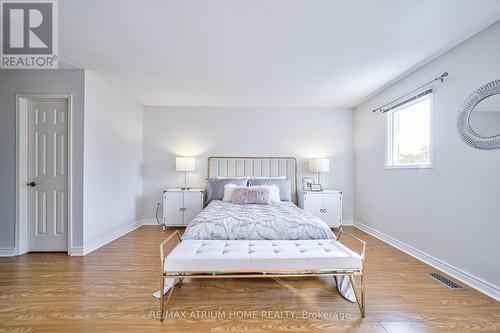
x=409, y=134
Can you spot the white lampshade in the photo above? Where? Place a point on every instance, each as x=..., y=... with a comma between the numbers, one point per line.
x=185, y=164
x=319, y=165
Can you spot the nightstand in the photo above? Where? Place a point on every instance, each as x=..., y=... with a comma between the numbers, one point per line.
x=180, y=207
x=327, y=205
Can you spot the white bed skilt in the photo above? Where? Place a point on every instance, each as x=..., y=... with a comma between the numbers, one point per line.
x=212, y=259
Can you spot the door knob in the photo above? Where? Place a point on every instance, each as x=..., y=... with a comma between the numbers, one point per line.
x=32, y=184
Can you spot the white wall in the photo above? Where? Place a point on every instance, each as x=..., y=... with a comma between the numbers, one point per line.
x=206, y=131
x=32, y=81
x=112, y=160
x=450, y=212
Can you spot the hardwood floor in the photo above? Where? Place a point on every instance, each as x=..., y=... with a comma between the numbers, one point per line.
x=110, y=290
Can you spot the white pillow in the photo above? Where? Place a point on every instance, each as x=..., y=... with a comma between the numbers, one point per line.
x=274, y=194
x=228, y=192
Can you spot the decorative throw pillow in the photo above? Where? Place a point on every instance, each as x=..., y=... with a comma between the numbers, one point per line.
x=284, y=185
x=228, y=192
x=252, y=195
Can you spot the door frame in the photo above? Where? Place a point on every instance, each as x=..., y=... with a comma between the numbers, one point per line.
x=21, y=237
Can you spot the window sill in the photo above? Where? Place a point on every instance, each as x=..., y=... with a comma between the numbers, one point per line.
x=413, y=166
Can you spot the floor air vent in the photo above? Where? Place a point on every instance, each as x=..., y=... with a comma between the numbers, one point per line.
x=447, y=282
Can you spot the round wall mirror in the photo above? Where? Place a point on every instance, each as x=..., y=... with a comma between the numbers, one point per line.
x=484, y=119
x=479, y=118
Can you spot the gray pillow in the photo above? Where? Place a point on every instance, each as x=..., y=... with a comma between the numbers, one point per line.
x=284, y=185
x=215, y=187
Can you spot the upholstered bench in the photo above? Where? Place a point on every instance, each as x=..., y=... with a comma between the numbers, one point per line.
x=260, y=259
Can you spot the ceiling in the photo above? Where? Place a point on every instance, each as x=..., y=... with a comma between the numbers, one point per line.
x=287, y=53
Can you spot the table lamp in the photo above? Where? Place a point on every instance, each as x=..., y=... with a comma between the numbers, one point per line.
x=185, y=164
x=319, y=165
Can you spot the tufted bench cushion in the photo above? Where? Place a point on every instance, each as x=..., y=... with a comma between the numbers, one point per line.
x=261, y=255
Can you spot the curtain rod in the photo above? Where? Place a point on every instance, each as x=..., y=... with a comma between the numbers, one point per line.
x=441, y=78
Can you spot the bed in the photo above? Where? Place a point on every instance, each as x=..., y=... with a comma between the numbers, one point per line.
x=282, y=221
x=228, y=221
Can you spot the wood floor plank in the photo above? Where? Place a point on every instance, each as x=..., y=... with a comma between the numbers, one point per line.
x=110, y=290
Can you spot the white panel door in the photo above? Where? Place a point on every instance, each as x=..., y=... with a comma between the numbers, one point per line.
x=313, y=204
x=47, y=175
x=173, y=205
x=193, y=202
x=332, y=209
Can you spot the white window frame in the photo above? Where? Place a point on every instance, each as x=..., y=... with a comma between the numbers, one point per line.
x=389, y=131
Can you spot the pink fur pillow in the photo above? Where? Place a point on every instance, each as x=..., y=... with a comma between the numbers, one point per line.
x=252, y=195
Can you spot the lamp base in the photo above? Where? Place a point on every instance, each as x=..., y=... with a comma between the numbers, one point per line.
x=186, y=187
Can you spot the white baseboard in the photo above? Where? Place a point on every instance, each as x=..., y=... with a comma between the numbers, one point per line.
x=76, y=251
x=6, y=252
x=87, y=248
x=149, y=222
x=469, y=279
x=348, y=223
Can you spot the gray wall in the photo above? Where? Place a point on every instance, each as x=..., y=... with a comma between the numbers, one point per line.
x=205, y=131
x=450, y=212
x=13, y=82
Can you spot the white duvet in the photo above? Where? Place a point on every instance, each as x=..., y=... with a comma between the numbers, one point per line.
x=223, y=220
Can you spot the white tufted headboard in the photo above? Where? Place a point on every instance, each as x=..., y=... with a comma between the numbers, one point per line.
x=243, y=166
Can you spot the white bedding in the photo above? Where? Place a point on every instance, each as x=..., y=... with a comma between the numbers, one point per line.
x=228, y=221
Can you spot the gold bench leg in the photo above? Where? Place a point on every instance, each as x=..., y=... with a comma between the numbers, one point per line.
x=164, y=304
x=363, y=293
x=360, y=299
x=171, y=291
x=162, y=297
